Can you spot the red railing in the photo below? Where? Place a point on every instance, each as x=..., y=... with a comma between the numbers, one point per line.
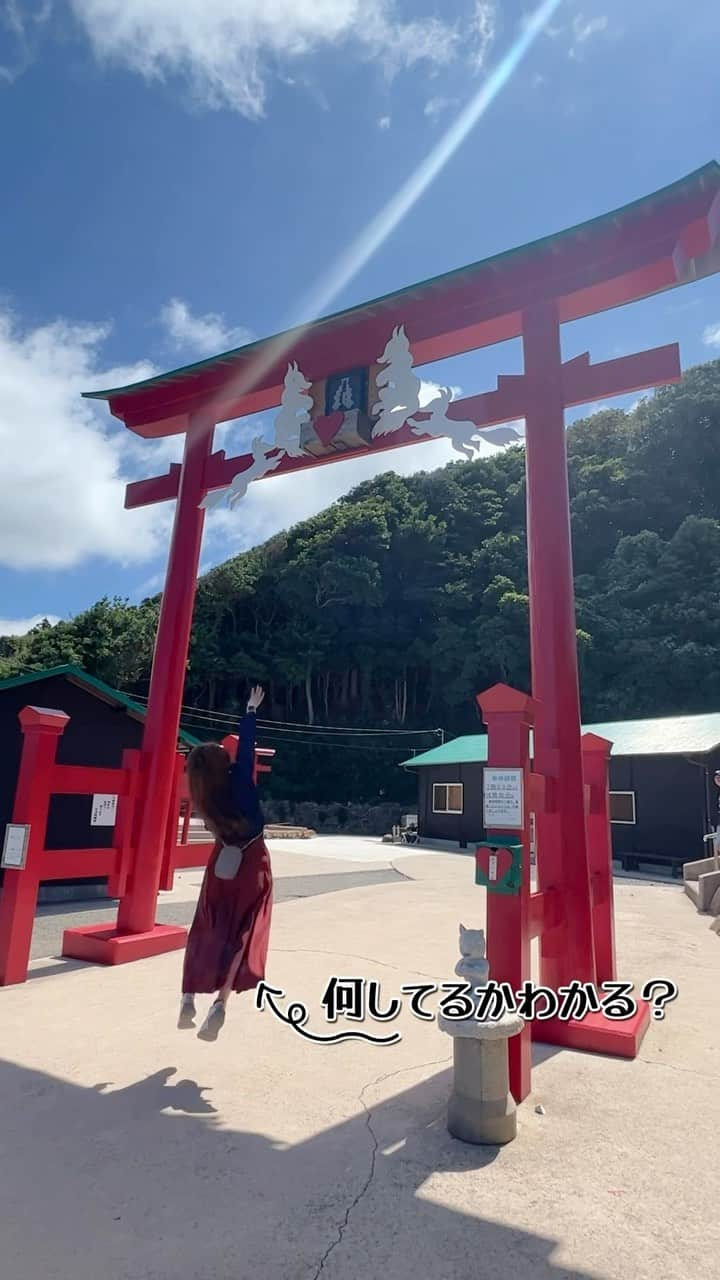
x=39, y=778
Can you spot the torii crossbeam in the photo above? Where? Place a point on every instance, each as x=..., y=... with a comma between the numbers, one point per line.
x=665, y=240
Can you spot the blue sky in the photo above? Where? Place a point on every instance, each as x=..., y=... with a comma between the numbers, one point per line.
x=179, y=176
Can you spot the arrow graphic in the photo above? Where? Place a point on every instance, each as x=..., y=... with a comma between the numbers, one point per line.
x=297, y=1016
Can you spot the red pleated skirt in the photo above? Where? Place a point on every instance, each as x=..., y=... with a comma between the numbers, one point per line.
x=232, y=919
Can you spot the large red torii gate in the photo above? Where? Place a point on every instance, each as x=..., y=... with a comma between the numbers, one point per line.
x=667, y=239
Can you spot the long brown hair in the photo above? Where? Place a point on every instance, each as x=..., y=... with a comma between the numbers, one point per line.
x=208, y=775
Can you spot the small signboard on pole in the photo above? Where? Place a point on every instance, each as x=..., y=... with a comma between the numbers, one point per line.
x=104, y=811
x=503, y=799
x=15, y=846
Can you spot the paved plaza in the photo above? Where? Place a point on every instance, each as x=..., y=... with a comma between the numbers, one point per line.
x=131, y=1151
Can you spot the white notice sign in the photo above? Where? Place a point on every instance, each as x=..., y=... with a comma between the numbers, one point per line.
x=104, y=809
x=15, y=846
x=503, y=799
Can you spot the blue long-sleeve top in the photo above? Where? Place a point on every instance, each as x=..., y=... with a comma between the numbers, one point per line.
x=244, y=792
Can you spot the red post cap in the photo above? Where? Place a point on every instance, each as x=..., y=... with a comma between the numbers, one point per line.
x=502, y=699
x=43, y=718
x=593, y=742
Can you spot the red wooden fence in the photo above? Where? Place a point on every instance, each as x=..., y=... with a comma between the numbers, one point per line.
x=39, y=778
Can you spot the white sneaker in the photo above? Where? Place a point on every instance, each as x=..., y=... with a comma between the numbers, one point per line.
x=188, y=1013
x=213, y=1024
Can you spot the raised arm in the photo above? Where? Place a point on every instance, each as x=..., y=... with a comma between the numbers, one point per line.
x=242, y=776
x=245, y=758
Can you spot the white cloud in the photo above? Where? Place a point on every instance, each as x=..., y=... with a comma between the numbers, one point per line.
x=201, y=335
x=483, y=29
x=11, y=18
x=429, y=390
x=150, y=586
x=435, y=107
x=22, y=22
x=226, y=50
x=585, y=28
x=579, y=32
x=711, y=335
x=65, y=459
x=384, y=122
x=21, y=626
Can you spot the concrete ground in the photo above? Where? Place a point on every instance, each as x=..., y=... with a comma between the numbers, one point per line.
x=131, y=1151
x=328, y=865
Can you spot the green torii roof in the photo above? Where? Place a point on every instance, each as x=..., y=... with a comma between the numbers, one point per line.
x=77, y=676
x=669, y=736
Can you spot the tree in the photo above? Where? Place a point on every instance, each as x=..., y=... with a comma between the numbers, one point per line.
x=399, y=603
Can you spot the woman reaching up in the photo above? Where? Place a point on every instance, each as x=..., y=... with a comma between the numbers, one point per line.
x=228, y=940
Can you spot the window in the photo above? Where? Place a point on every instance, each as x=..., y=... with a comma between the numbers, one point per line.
x=447, y=797
x=622, y=807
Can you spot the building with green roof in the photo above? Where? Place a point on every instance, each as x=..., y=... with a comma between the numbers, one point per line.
x=663, y=799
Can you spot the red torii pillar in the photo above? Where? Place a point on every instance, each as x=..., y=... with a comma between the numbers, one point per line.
x=540, y=395
x=136, y=913
x=553, y=648
x=596, y=767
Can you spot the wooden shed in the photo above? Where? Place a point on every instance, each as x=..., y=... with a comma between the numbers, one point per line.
x=662, y=796
x=103, y=723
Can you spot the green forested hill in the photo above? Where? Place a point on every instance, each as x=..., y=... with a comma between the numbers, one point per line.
x=400, y=602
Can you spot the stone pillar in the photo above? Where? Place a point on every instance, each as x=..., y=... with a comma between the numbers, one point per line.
x=481, y=1109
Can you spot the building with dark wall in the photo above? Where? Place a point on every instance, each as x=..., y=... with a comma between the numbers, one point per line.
x=103, y=723
x=662, y=796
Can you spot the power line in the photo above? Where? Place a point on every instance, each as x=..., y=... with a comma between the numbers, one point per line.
x=279, y=735
x=299, y=726
x=273, y=725
x=335, y=746
x=319, y=735
x=291, y=726
x=297, y=739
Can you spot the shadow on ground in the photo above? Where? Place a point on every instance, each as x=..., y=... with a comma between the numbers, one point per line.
x=148, y=1182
